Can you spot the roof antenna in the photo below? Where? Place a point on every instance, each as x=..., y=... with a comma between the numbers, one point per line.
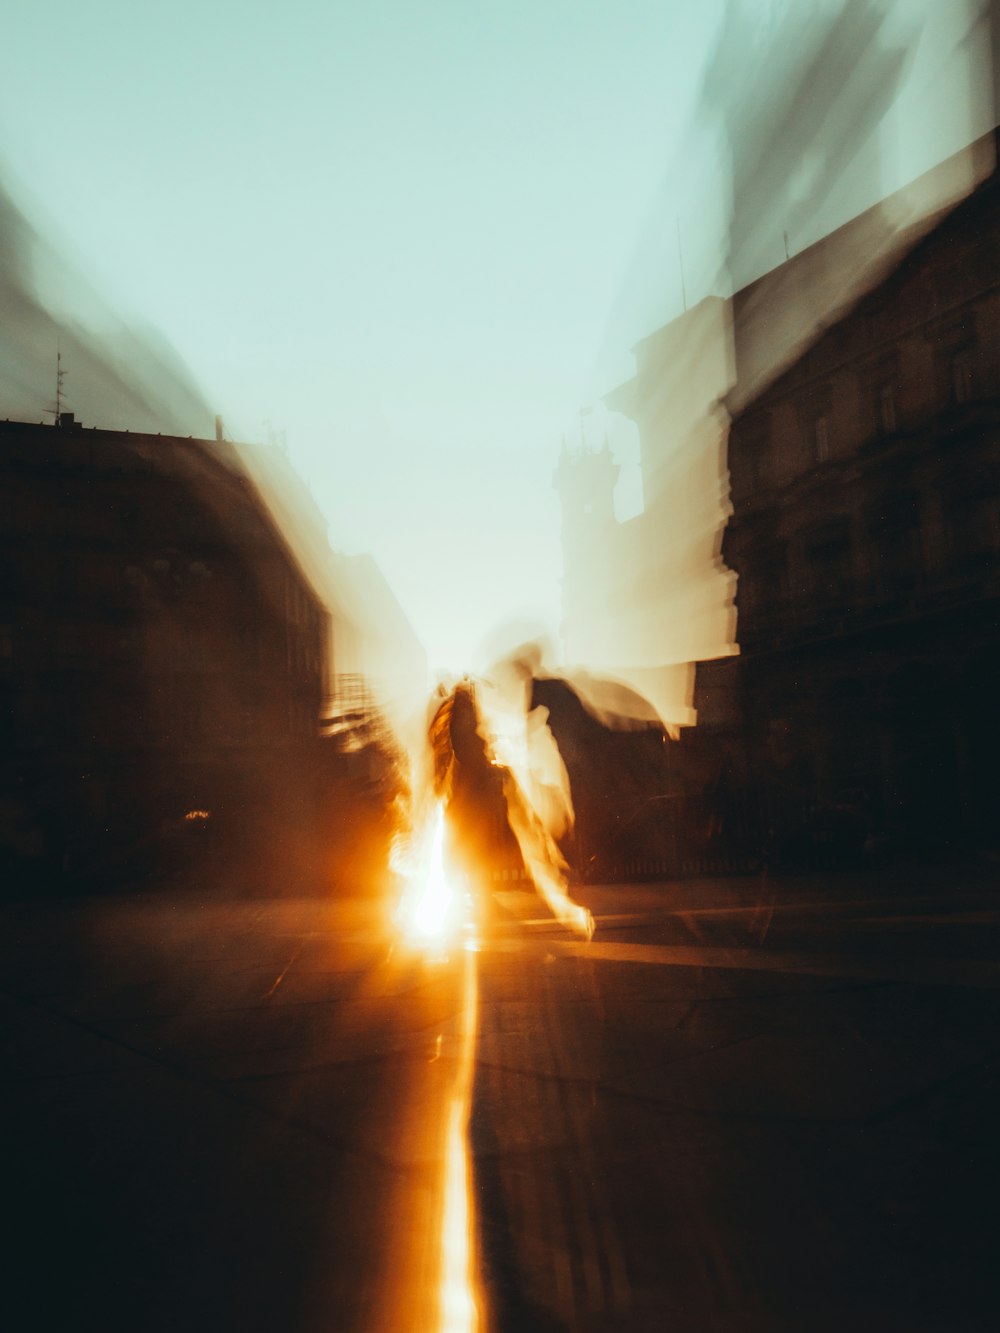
x=680, y=261
x=60, y=376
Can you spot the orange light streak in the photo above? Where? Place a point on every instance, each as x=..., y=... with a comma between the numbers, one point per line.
x=460, y=1300
x=430, y=909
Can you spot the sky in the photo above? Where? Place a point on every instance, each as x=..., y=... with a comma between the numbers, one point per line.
x=392, y=231
x=411, y=238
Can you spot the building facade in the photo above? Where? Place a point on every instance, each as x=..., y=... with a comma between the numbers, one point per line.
x=163, y=660
x=865, y=484
x=852, y=503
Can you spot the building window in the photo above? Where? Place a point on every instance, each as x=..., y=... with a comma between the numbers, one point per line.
x=756, y=450
x=770, y=583
x=831, y=564
x=821, y=439
x=886, y=406
x=973, y=526
x=762, y=463
x=897, y=542
x=961, y=376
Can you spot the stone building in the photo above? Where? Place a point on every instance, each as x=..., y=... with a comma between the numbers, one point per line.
x=865, y=484
x=163, y=662
x=853, y=495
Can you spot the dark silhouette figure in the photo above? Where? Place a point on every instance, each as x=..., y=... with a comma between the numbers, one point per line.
x=472, y=786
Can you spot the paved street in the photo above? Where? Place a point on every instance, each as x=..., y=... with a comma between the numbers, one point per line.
x=224, y=1116
x=745, y=1105
x=755, y=1114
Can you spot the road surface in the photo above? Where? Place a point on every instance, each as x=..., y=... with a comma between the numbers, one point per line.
x=745, y=1105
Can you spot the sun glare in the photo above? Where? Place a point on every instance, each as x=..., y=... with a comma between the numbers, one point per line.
x=430, y=910
x=431, y=917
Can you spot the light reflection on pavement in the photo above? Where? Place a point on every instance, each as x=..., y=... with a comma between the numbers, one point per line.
x=253, y=1115
x=461, y=1297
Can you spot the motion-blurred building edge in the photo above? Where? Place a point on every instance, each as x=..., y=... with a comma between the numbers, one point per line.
x=164, y=668
x=377, y=664
x=865, y=487
x=861, y=462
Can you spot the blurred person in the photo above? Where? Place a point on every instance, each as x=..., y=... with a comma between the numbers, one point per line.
x=474, y=789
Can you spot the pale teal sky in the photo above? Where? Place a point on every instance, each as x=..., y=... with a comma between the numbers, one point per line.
x=405, y=233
